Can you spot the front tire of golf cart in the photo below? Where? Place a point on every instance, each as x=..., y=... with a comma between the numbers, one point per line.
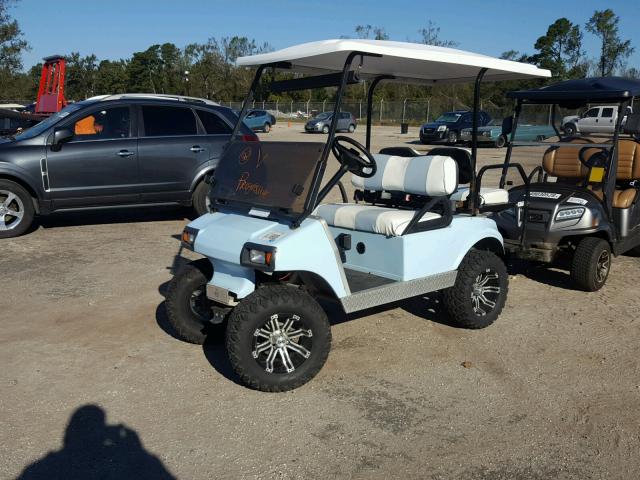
x=591, y=264
x=479, y=294
x=188, y=309
x=278, y=338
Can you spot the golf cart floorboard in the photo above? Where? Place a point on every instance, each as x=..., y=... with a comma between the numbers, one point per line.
x=359, y=281
x=392, y=291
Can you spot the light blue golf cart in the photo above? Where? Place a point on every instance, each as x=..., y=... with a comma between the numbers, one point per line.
x=273, y=247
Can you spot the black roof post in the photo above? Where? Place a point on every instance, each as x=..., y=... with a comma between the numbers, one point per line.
x=473, y=195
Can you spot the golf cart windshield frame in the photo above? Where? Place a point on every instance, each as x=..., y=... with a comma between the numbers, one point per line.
x=315, y=194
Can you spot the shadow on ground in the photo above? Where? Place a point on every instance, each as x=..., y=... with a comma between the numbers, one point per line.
x=112, y=216
x=93, y=449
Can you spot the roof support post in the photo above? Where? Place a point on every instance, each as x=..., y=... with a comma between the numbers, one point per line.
x=473, y=195
x=250, y=97
x=512, y=136
x=372, y=87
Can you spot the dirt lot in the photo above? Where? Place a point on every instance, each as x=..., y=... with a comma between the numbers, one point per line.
x=95, y=385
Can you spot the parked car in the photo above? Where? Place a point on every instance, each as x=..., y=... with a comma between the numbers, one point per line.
x=322, y=122
x=492, y=134
x=112, y=151
x=600, y=119
x=260, y=120
x=448, y=126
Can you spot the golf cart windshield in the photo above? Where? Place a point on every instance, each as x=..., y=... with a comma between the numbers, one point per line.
x=266, y=175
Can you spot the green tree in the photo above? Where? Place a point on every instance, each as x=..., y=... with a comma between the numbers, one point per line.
x=613, y=50
x=111, y=77
x=431, y=36
x=12, y=42
x=365, y=31
x=560, y=49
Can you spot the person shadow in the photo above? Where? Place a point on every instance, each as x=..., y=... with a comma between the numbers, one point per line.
x=93, y=449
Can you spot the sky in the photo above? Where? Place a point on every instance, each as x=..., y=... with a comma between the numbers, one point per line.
x=114, y=29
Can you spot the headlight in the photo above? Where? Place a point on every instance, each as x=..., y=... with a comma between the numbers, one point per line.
x=189, y=237
x=442, y=128
x=570, y=213
x=258, y=256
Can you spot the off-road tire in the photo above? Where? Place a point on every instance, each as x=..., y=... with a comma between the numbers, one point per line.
x=585, y=264
x=457, y=300
x=26, y=204
x=352, y=128
x=199, y=198
x=570, y=129
x=267, y=127
x=187, y=325
x=250, y=314
x=452, y=137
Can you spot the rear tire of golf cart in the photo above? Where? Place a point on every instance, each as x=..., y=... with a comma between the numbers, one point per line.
x=452, y=138
x=199, y=198
x=267, y=127
x=278, y=338
x=591, y=264
x=570, y=129
x=325, y=129
x=480, y=291
x=501, y=141
x=188, y=309
x=16, y=209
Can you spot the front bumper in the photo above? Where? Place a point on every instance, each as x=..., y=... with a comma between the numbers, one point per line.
x=432, y=136
x=313, y=128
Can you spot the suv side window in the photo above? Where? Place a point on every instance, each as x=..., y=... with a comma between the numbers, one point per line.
x=607, y=112
x=592, y=113
x=160, y=121
x=107, y=124
x=212, y=123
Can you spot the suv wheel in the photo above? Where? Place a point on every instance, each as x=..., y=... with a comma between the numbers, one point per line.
x=200, y=199
x=452, y=137
x=352, y=128
x=16, y=209
x=570, y=129
x=278, y=338
x=480, y=291
x=267, y=127
x=591, y=264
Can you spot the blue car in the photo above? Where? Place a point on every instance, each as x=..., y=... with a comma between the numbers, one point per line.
x=448, y=127
x=492, y=134
x=260, y=120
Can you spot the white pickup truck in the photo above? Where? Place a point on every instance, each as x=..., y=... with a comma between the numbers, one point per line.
x=601, y=119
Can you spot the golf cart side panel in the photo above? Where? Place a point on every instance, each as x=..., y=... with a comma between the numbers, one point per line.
x=308, y=248
x=409, y=257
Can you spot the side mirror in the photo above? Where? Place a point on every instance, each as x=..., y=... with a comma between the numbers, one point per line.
x=507, y=125
x=60, y=136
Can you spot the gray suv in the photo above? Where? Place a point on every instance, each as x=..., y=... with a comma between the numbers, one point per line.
x=117, y=150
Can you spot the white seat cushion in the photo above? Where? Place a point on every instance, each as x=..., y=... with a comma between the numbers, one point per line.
x=430, y=175
x=369, y=218
x=488, y=196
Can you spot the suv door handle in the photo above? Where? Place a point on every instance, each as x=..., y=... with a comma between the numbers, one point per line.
x=197, y=149
x=125, y=153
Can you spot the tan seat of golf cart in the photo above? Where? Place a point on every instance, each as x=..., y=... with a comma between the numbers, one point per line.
x=564, y=163
x=430, y=175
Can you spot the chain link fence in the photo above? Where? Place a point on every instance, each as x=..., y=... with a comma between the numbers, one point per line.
x=411, y=111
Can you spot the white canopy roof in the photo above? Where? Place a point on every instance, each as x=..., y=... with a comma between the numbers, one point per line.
x=406, y=61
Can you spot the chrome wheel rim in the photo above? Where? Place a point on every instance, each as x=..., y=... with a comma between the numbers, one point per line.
x=11, y=210
x=282, y=344
x=200, y=305
x=602, y=268
x=485, y=292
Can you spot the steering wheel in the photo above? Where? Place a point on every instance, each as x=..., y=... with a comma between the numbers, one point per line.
x=358, y=160
x=597, y=159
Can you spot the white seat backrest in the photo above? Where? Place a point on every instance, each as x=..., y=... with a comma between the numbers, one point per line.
x=430, y=175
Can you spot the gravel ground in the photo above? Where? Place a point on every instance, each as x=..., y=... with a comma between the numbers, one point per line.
x=95, y=384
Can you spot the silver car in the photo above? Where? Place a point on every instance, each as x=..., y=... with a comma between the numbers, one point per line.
x=321, y=122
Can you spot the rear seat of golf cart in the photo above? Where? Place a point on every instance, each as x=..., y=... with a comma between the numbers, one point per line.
x=405, y=181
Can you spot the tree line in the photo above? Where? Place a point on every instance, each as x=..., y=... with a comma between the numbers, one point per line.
x=208, y=69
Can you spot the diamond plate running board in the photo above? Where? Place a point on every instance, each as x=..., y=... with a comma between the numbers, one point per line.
x=393, y=292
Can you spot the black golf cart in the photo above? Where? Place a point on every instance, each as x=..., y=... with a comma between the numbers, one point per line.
x=581, y=203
